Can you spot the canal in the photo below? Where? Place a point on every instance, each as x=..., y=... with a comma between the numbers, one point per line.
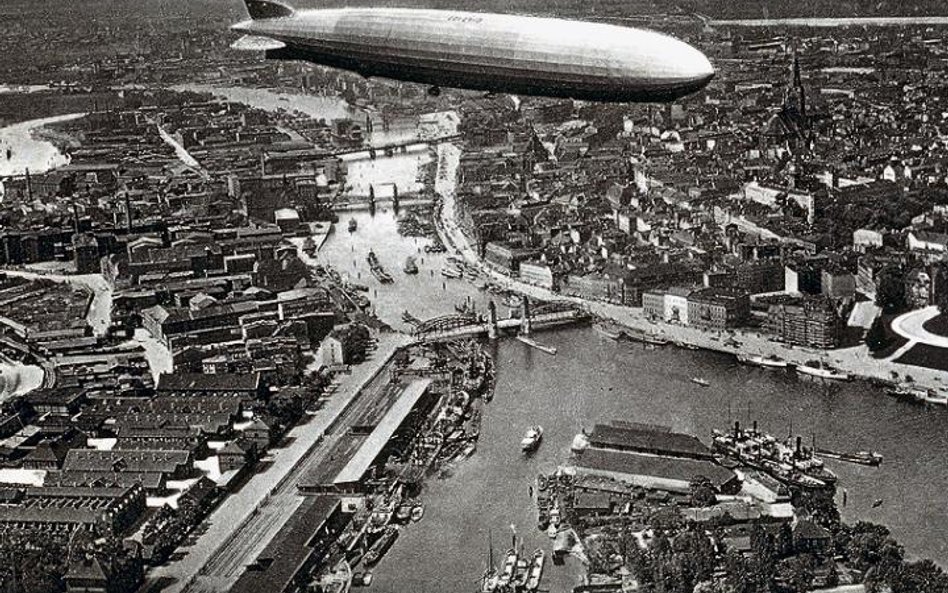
x=593, y=379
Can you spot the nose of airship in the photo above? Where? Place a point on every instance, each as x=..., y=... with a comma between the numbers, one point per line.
x=694, y=67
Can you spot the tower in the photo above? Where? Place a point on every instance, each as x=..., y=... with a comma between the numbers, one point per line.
x=526, y=324
x=491, y=321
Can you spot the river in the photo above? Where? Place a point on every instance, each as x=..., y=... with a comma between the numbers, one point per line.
x=593, y=379
x=908, y=21
x=28, y=152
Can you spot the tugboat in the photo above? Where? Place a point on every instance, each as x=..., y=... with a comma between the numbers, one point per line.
x=531, y=440
x=353, y=225
x=410, y=266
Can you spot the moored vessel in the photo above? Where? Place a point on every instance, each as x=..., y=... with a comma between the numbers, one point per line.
x=531, y=439
x=821, y=370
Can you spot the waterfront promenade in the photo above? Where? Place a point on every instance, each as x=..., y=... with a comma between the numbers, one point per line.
x=855, y=360
x=246, y=521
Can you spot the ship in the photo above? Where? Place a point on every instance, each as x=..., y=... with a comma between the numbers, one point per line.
x=861, y=457
x=531, y=440
x=610, y=330
x=449, y=272
x=353, y=225
x=508, y=569
x=377, y=270
x=410, y=266
x=536, y=571
x=771, y=361
x=700, y=381
x=381, y=545
x=821, y=370
x=792, y=465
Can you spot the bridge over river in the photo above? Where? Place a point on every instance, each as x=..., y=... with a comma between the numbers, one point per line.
x=468, y=325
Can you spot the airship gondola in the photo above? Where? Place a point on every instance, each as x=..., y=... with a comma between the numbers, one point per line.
x=501, y=53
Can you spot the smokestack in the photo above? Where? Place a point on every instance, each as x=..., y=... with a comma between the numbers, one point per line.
x=737, y=428
x=799, y=444
x=755, y=427
x=128, y=213
x=29, y=186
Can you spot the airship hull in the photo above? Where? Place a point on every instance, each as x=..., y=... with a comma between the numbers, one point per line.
x=492, y=52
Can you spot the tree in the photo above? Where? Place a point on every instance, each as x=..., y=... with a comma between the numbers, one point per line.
x=876, y=337
x=940, y=279
x=702, y=492
x=890, y=289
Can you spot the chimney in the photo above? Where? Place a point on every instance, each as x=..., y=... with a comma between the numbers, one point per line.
x=799, y=444
x=737, y=428
x=128, y=213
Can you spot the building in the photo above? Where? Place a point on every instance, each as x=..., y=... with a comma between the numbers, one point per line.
x=344, y=345
x=287, y=562
x=837, y=283
x=715, y=308
x=102, y=509
x=537, y=273
x=506, y=255
x=670, y=305
x=654, y=471
x=648, y=439
x=806, y=321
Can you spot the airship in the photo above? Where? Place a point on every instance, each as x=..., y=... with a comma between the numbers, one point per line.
x=496, y=53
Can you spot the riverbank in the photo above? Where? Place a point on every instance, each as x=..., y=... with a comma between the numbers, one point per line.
x=30, y=148
x=856, y=361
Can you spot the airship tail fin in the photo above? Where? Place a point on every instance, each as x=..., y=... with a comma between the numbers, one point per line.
x=267, y=9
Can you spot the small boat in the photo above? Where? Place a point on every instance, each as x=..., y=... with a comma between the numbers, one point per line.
x=531, y=440
x=580, y=443
x=860, y=457
x=410, y=266
x=700, y=381
x=450, y=272
x=551, y=350
x=417, y=513
x=611, y=331
x=353, y=225
x=821, y=370
x=381, y=545
x=878, y=503
x=403, y=514
x=771, y=361
x=536, y=571
x=938, y=399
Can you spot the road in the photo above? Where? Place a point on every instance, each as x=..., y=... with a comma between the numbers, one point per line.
x=242, y=526
x=855, y=360
x=911, y=326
